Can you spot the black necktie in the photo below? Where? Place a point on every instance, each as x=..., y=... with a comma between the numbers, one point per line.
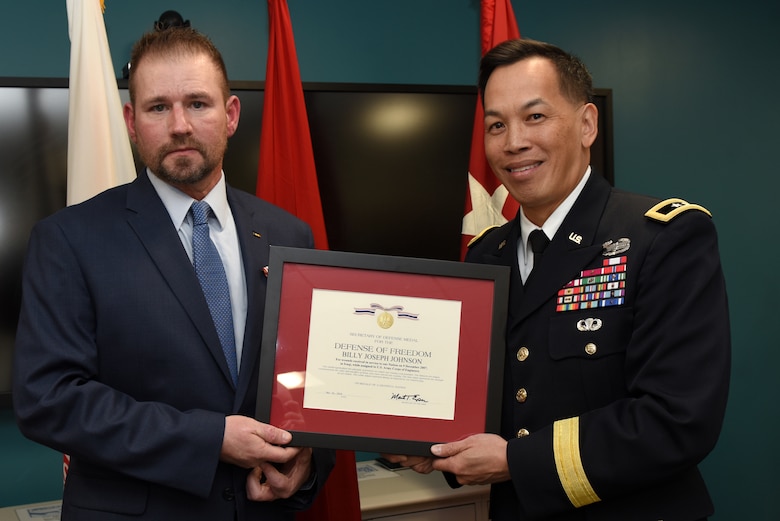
x=539, y=242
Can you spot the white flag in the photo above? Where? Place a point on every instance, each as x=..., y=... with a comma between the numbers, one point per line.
x=99, y=153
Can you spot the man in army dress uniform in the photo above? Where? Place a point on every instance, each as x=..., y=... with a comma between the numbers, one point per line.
x=618, y=351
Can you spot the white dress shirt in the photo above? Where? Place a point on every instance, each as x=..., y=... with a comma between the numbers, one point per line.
x=525, y=256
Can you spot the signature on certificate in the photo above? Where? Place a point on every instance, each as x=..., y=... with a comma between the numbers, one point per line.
x=408, y=397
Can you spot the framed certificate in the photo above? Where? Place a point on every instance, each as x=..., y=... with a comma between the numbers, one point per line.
x=381, y=354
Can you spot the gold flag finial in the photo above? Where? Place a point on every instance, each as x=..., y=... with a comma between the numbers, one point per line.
x=103, y=6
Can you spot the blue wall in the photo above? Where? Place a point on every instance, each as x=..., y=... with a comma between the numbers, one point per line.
x=696, y=88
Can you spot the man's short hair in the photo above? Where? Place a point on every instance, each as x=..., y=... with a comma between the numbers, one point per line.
x=178, y=42
x=573, y=77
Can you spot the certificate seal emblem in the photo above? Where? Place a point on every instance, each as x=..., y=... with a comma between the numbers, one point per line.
x=384, y=320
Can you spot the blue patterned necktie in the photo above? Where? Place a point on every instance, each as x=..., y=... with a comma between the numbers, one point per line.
x=211, y=273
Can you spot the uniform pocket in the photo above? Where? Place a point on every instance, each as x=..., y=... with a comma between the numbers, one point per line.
x=592, y=344
x=590, y=334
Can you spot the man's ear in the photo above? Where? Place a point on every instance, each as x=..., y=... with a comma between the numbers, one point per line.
x=590, y=124
x=233, y=111
x=129, y=114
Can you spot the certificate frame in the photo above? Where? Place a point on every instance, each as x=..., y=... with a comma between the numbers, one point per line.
x=297, y=275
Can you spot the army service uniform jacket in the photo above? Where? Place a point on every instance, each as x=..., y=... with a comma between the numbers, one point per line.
x=617, y=362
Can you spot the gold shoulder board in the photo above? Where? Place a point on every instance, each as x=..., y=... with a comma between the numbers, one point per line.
x=667, y=210
x=480, y=235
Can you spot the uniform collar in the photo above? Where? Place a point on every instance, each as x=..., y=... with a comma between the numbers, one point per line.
x=551, y=225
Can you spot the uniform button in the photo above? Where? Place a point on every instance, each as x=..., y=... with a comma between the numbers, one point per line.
x=522, y=433
x=590, y=348
x=523, y=353
x=228, y=494
x=521, y=395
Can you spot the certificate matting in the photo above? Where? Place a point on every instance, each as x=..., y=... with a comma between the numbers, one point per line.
x=378, y=353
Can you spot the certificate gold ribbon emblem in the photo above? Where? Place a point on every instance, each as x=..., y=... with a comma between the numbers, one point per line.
x=385, y=316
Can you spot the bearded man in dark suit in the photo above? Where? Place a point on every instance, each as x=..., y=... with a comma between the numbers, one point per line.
x=119, y=360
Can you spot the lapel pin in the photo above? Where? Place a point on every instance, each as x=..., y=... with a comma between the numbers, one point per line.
x=575, y=238
x=502, y=244
x=256, y=234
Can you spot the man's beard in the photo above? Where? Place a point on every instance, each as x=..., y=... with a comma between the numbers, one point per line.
x=184, y=169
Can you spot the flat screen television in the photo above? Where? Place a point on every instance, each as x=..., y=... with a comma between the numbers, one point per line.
x=391, y=164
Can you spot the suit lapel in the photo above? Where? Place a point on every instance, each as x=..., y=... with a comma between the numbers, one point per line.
x=500, y=247
x=254, y=253
x=570, y=250
x=147, y=212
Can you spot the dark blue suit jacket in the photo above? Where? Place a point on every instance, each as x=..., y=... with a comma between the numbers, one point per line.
x=118, y=362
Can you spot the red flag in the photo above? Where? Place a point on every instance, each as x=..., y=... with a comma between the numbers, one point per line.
x=340, y=499
x=287, y=176
x=487, y=201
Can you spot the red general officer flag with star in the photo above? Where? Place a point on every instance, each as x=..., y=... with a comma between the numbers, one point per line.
x=487, y=201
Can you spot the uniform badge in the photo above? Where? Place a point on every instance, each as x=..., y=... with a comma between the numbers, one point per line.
x=589, y=324
x=616, y=247
x=595, y=288
x=668, y=209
